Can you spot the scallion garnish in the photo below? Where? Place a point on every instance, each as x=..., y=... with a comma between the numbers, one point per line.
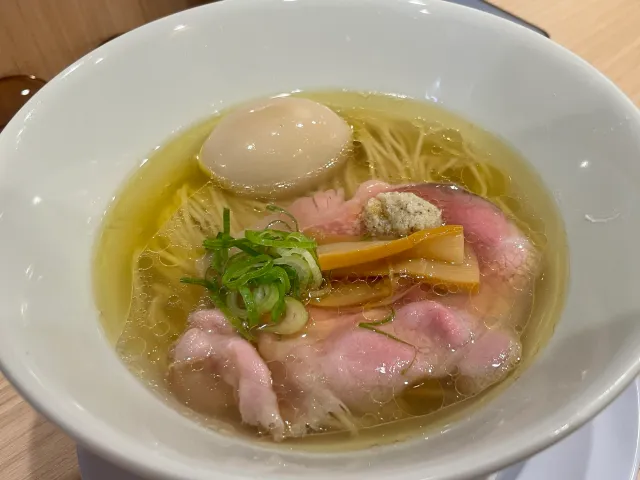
x=277, y=209
x=279, y=238
x=255, y=279
x=373, y=326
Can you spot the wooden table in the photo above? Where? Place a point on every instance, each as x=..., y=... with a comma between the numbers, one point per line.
x=604, y=32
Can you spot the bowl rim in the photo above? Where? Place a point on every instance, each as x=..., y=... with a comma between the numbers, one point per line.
x=136, y=457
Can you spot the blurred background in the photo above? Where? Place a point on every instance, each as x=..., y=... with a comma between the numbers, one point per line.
x=42, y=37
x=39, y=38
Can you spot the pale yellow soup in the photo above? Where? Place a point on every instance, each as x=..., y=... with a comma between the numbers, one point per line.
x=153, y=231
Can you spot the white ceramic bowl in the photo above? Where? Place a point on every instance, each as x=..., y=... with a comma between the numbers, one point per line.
x=65, y=154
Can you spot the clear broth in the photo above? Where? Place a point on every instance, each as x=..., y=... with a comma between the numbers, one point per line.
x=142, y=207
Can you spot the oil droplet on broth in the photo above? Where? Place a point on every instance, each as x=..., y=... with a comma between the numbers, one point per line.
x=155, y=355
x=134, y=347
x=381, y=395
x=491, y=322
x=369, y=420
x=161, y=328
x=145, y=262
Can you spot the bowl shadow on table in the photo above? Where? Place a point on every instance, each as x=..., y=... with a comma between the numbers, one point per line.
x=51, y=453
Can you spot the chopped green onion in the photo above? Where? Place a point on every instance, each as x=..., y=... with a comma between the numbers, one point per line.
x=235, y=322
x=275, y=208
x=295, y=291
x=299, y=265
x=300, y=237
x=312, y=264
x=388, y=319
x=226, y=221
x=240, y=272
x=250, y=305
x=266, y=272
x=245, y=246
x=199, y=281
x=407, y=367
x=221, y=242
x=279, y=222
x=266, y=297
x=373, y=326
x=234, y=305
x=295, y=319
x=278, y=276
x=323, y=291
x=278, y=238
x=279, y=307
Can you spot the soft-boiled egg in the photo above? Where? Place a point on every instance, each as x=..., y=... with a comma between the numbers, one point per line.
x=276, y=147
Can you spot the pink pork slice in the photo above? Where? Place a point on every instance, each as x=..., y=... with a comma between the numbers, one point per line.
x=329, y=213
x=210, y=339
x=339, y=365
x=501, y=247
